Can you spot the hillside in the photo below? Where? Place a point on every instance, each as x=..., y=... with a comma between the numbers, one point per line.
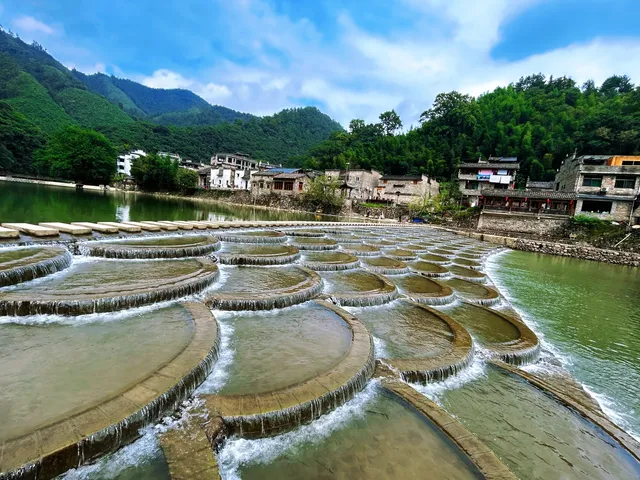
x=39, y=96
x=176, y=106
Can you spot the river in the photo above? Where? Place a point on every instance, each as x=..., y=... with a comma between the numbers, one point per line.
x=34, y=203
x=588, y=315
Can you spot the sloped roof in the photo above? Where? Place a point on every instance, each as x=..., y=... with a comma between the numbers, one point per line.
x=407, y=178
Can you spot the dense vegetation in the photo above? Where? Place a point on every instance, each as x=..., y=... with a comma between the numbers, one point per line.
x=49, y=97
x=539, y=120
x=156, y=172
x=78, y=154
x=176, y=106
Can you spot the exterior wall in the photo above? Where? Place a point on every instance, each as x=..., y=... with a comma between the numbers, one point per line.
x=363, y=181
x=124, y=161
x=620, y=210
x=233, y=160
x=266, y=185
x=403, y=192
x=567, y=176
x=521, y=222
x=230, y=178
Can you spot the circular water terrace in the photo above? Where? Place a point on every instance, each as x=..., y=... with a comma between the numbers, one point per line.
x=257, y=254
x=264, y=288
x=109, y=285
x=256, y=236
x=156, y=247
x=357, y=288
x=330, y=260
x=385, y=265
x=24, y=264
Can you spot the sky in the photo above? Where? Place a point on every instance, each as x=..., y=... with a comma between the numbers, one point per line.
x=350, y=58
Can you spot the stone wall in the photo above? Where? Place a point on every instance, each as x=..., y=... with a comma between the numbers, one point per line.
x=530, y=223
x=397, y=212
x=582, y=252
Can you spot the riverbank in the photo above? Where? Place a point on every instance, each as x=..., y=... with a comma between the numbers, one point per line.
x=50, y=183
x=582, y=252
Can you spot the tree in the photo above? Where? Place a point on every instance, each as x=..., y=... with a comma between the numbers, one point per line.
x=390, y=122
x=78, y=154
x=615, y=85
x=186, y=179
x=536, y=172
x=155, y=172
x=355, y=125
x=323, y=194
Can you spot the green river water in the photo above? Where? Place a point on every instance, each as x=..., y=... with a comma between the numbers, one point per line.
x=33, y=203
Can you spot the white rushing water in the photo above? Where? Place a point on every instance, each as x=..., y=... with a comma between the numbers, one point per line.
x=220, y=373
x=239, y=451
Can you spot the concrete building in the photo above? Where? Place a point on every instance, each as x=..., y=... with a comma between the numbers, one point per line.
x=497, y=173
x=125, y=161
x=280, y=181
x=239, y=160
x=402, y=189
x=607, y=186
x=356, y=184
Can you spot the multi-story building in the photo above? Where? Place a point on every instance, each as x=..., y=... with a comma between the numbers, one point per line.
x=403, y=189
x=125, y=161
x=357, y=184
x=497, y=173
x=607, y=186
x=281, y=181
x=232, y=178
x=239, y=160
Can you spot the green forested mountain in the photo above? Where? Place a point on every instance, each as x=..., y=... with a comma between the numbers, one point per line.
x=539, y=120
x=176, y=106
x=39, y=97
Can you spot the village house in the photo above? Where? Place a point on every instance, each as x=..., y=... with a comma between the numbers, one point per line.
x=238, y=160
x=125, y=161
x=280, y=181
x=403, y=189
x=358, y=184
x=498, y=173
x=606, y=186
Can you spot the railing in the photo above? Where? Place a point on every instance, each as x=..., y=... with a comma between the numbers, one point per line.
x=532, y=211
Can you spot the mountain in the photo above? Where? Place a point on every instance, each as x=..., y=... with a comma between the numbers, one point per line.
x=175, y=106
x=39, y=96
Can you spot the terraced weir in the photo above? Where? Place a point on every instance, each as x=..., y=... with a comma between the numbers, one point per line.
x=183, y=349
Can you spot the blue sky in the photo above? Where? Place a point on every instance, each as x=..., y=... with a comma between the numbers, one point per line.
x=351, y=58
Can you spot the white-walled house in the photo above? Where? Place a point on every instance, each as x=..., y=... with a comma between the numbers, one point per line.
x=125, y=160
x=229, y=178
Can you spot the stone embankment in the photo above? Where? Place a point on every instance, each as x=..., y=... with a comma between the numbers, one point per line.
x=582, y=252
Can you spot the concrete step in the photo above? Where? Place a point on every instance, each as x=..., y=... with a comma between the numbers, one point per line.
x=31, y=229
x=67, y=228
x=9, y=233
x=122, y=227
x=143, y=226
x=195, y=225
x=97, y=227
x=174, y=224
x=163, y=226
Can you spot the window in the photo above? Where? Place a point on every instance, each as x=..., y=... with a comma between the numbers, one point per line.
x=277, y=185
x=261, y=184
x=398, y=186
x=288, y=186
x=591, y=181
x=415, y=182
x=596, y=206
x=300, y=186
x=625, y=182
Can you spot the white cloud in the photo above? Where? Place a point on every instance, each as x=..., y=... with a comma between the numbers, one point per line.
x=29, y=25
x=351, y=71
x=165, y=78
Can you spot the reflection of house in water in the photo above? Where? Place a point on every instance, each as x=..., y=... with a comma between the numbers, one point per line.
x=498, y=173
x=403, y=189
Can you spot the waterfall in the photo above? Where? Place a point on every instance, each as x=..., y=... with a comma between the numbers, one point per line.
x=440, y=373
x=239, y=238
x=140, y=252
x=36, y=270
x=265, y=300
x=365, y=299
x=331, y=267
x=441, y=300
x=248, y=259
x=108, y=304
x=115, y=436
x=270, y=423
